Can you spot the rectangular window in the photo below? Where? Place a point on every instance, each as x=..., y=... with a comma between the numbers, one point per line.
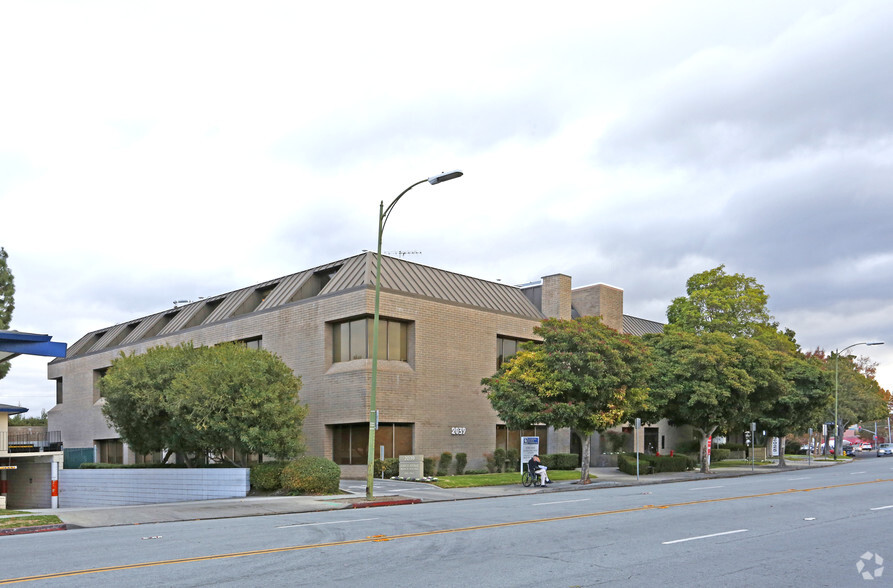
x=252, y=343
x=97, y=376
x=349, y=442
x=58, y=390
x=511, y=438
x=358, y=340
x=111, y=451
x=505, y=348
x=148, y=458
x=353, y=340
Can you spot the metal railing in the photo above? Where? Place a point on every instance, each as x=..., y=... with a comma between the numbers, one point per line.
x=31, y=442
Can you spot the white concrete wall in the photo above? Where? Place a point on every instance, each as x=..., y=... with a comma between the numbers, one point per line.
x=126, y=486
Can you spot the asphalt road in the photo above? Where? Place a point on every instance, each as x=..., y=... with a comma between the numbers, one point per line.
x=813, y=528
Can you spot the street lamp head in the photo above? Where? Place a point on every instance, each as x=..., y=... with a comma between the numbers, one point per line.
x=876, y=343
x=444, y=177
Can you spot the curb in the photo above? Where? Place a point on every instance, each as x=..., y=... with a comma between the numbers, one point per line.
x=386, y=503
x=37, y=529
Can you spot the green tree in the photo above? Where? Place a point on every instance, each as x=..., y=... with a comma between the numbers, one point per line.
x=583, y=375
x=238, y=398
x=705, y=381
x=7, y=301
x=782, y=392
x=139, y=402
x=801, y=400
x=199, y=401
x=859, y=396
x=718, y=302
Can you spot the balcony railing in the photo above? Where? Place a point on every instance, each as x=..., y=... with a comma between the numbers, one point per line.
x=31, y=442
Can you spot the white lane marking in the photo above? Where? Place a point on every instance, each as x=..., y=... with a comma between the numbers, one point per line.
x=326, y=523
x=795, y=479
x=854, y=473
x=704, y=536
x=881, y=507
x=706, y=487
x=561, y=502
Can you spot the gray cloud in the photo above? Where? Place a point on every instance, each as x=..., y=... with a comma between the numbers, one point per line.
x=822, y=85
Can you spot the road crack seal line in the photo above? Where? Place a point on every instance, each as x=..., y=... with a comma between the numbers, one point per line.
x=378, y=538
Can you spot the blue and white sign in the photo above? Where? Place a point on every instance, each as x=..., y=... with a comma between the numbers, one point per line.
x=530, y=446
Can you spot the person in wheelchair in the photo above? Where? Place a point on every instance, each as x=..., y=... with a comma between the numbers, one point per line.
x=536, y=468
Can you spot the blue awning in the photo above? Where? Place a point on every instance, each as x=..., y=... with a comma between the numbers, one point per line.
x=10, y=409
x=13, y=343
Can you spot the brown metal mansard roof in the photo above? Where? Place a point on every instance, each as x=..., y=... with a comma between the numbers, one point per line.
x=397, y=275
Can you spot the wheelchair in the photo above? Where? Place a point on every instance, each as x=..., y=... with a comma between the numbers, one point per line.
x=528, y=479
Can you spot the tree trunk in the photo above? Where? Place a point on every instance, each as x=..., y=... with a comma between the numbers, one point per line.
x=586, y=440
x=705, y=457
x=781, y=444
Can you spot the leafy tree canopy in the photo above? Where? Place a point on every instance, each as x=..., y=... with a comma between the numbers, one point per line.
x=7, y=301
x=718, y=302
x=801, y=400
x=204, y=401
x=706, y=381
x=860, y=397
x=583, y=375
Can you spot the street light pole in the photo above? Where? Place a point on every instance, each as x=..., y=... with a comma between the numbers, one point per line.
x=838, y=440
x=383, y=214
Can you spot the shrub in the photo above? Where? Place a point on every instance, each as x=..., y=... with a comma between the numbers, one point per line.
x=461, y=462
x=390, y=465
x=476, y=472
x=654, y=464
x=561, y=461
x=513, y=456
x=429, y=466
x=792, y=447
x=499, y=457
x=443, y=468
x=267, y=476
x=311, y=475
x=491, y=462
x=719, y=454
x=690, y=446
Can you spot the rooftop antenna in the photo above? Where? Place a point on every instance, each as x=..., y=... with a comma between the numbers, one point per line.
x=402, y=253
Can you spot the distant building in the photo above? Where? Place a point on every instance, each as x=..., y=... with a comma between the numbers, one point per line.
x=441, y=332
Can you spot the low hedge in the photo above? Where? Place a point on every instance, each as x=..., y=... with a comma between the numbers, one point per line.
x=653, y=464
x=719, y=454
x=267, y=476
x=311, y=475
x=793, y=447
x=561, y=461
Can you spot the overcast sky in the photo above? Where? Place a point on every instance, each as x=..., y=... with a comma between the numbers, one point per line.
x=156, y=151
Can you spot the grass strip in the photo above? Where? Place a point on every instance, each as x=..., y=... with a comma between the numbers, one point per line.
x=503, y=479
x=29, y=521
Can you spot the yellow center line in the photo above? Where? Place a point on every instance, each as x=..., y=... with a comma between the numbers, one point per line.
x=379, y=538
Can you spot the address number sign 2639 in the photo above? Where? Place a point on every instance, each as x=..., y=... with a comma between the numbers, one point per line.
x=457, y=431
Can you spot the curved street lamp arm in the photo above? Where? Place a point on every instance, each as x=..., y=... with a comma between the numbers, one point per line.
x=386, y=212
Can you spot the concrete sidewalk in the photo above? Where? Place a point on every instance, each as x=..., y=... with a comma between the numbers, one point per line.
x=269, y=505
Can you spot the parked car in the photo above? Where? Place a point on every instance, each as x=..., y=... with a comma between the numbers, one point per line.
x=849, y=450
x=884, y=449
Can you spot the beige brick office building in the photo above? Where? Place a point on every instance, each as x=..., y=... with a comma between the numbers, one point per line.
x=441, y=333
